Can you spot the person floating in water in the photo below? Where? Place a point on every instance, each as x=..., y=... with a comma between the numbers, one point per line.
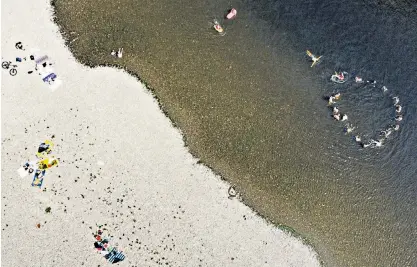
x=398, y=108
x=348, y=128
x=357, y=138
x=333, y=98
x=399, y=118
x=335, y=110
x=336, y=116
x=396, y=100
x=344, y=117
x=358, y=79
x=313, y=58
x=387, y=132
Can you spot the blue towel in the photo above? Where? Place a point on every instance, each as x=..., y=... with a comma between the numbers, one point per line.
x=115, y=256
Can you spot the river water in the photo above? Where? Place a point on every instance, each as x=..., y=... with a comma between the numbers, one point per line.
x=250, y=106
x=375, y=40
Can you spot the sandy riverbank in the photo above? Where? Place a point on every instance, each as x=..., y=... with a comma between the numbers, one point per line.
x=161, y=206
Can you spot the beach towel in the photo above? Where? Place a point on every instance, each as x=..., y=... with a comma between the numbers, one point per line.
x=115, y=256
x=38, y=178
x=27, y=168
x=45, y=148
x=47, y=163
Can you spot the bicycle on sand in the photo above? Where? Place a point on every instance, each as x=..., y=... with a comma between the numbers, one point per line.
x=8, y=64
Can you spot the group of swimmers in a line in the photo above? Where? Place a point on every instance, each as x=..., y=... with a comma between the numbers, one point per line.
x=349, y=128
x=342, y=77
x=336, y=113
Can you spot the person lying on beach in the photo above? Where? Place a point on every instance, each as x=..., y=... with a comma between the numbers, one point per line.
x=47, y=163
x=45, y=148
x=373, y=143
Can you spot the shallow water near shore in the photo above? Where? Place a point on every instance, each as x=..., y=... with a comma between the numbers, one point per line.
x=251, y=107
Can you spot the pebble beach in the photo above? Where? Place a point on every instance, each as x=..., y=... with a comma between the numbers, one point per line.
x=122, y=164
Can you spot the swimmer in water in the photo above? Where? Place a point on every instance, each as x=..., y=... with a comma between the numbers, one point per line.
x=398, y=108
x=384, y=89
x=399, y=118
x=357, y=138
x=377, y=143
x=396, y=127
x=313, y=58
x=335, y=110
x=344, y=117
x=386, y=132
x=331, y=100
x=337, y=116
x=396, y=100
x=349, y=128
x=373, y=143
x=337, y=96
x=358, y=79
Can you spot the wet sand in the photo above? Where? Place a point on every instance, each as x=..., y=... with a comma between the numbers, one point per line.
x=122, y=163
